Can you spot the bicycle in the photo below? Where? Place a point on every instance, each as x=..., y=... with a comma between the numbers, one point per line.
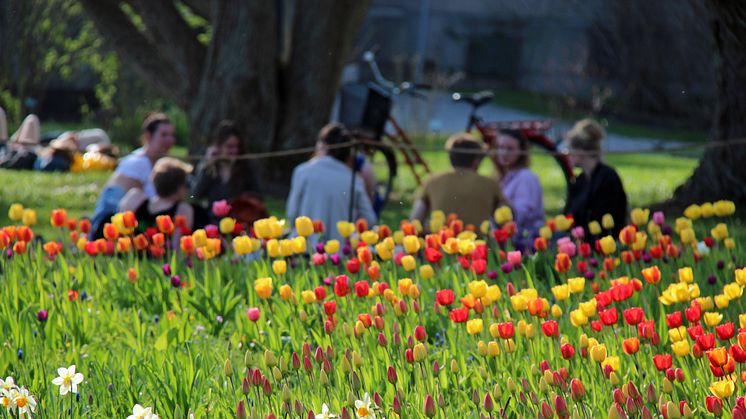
x=535, y=132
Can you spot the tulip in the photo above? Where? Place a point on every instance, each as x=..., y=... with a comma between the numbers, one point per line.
x=722, y=389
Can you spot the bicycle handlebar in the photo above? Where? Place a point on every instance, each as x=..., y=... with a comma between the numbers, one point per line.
x=404, y=88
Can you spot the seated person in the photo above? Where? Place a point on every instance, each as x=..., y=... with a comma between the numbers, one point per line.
x=170, y=181
x=58, y=157
x=20, y=150
x=3, y=129
x=134, y=170
x=220, y=176
x=462, y=191
x=320, y=188
x=520, y=185
x=598, y=190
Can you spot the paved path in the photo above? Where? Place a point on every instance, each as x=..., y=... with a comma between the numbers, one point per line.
x=439, y=114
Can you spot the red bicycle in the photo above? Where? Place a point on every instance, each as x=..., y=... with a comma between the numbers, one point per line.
x=535, y=132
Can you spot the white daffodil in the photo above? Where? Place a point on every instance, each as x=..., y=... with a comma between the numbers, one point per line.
x=363, y=408
x=6, y=400
x=24, y=401
x=140, y=412
x=68, y=380
x=7, y=384
x=325, y=414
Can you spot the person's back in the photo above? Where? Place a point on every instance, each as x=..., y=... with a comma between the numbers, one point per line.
x=320, y=188
x=462, y=191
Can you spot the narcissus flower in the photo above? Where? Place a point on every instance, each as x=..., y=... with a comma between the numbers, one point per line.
x=68, y=380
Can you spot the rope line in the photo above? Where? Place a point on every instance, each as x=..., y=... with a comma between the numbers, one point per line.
x=427, y=147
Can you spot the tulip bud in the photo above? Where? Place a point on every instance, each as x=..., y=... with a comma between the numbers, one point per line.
x=377, y=399
x=673, y=410
x=227, y=368
x=645, y=413
x=298, y=406
x=276, y=373
x=256, y=377
x=577, y=390
x=475, y=397
x=488, y=404
x=454, y=366
x=354, y=381
x=269, y=358
x=546, y=410
x=241, y=410
x=267, y=387
x=391, y=375
x=245, y=386
x=650, y=394
x=295, y=360
x=667, y=386
x=441, y=400
x=560, y=406
x=345, y=414
x=323, y=378
x=382, y=340
x=631, y=406
x=396, y=405
x=429, y=406
x=618, y=396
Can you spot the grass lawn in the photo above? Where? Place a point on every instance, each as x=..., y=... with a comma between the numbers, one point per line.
x=647, y=179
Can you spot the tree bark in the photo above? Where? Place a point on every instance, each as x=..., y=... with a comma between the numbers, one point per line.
x=722, y=173
x=279, y=92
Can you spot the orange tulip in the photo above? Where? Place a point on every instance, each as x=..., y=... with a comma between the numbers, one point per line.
x=627, y=235
x=124, y=244
x=129, y=219
x=187, y=245
x=158, y=239
x=718, y=356
x=110, y=232
x=58, y=218
x=165, y=224
x=631, y=346
x=84, y=226
x=652, y=275
x=24, y=234
x=19, y=247
x=140, y=242
x=562, y=262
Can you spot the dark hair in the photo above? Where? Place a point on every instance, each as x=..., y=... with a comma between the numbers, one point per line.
x=151, y=123
x=523, y=146
x=225, y=130
x=464, y=150
x=169, y=175
x=334, y=134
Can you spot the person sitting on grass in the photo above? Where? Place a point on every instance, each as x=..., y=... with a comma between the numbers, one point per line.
x=598, y=190
x=134, y=170
x=320, y=188
x=19, y=152
x=462, y=191
x=169, y=178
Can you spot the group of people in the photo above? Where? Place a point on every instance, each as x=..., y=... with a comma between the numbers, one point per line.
x=326, y=188
x=149, y=183
x=336, y=184
x=66, y=151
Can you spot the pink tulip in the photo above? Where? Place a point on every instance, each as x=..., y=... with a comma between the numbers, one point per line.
x=221, y=208
x=253, y=314
x=514, y=258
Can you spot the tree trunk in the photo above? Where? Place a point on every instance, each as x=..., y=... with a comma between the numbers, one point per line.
x=722, y=173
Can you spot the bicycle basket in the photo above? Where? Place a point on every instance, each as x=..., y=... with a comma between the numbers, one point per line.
x=366, y=110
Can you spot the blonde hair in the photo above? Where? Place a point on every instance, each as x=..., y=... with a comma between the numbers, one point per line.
x=587, y=135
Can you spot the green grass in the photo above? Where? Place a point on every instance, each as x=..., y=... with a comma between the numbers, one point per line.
x=647, y=178
x=556, y=107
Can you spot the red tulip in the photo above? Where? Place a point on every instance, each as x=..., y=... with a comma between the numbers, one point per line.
x=567, y=350
x=459, y=315
x=634, y=315
x=662, y=362
x=714, y=405
x=562, y=262
x=330, y=307
x=725, y=331
x=738, y=354
x=341, y=286
x=444, y=297
x=506, y=330
x=706, y=341
x=433, y=255
x=695, y=331
x=674, y=319
x=550, y=328
x=608, y=317
x=362, y=288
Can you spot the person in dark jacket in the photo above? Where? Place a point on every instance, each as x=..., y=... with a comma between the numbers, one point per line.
x=598, y=190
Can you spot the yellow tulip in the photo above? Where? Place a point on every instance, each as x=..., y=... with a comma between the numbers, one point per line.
x=481, y=348
x=308, y=296
x=677, y=334
x=286, y=292
x=741, y=276
x=688, y=236
x=705, y=303
x=607, y=221
x=589, y=307
x=408, y=263
x=639, y=216
x=608, y=245
x=729, y=243
x=562, y=223
x=724, y=208
x=686, y=275
x=427, y=272
x=612, y=361
x=299, y=244
x=720, y=232
x=721, y=301
x=707, y=209
x=227, y=225
x=733, y=291
x=545, y=232
x=594, y=228
x=279, y=267
x=598, y=352
x=331, y=247
x=369, y=237
x=693, y=212
x=561, y=292
x=465, y=247
x=242, y=245
x=474, y=326
x=576, y=284
x=263, y=287
x=28, y=217
x=529, y=293
x=723, y=389
x=509, y=345
x=493, y=349
x=478, y=288
x=200, y=238
x=419, y=352
x=493, y=293
x=712, y=318
x=519, y=302
x=411, y=244
x=742, y=320
x=345, y=228
x=556, y=311
x=503, y=215
x=578, y=318
x=15, y=213
x=304, y=226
